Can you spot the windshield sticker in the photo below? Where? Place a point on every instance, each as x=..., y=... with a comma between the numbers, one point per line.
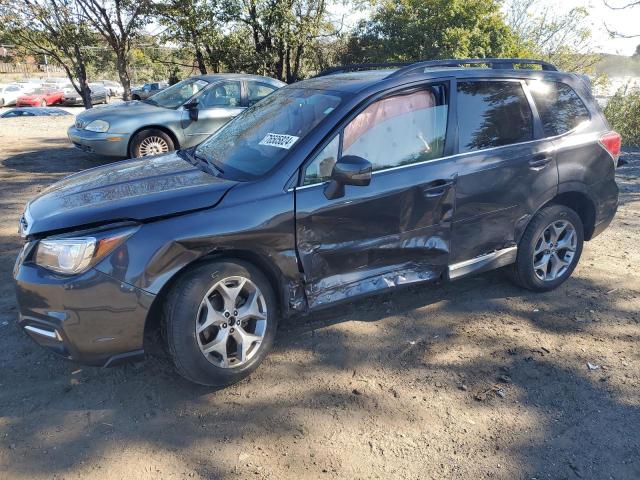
x=278, y=140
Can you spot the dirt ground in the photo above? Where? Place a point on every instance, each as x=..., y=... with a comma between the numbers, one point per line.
x=474, y=379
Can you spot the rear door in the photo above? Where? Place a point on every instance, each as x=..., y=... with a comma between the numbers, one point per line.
x=395, y=230
x=506, y=167
x=217, y=105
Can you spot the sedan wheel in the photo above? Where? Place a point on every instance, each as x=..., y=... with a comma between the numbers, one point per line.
x=153, y=146
x=231, y=322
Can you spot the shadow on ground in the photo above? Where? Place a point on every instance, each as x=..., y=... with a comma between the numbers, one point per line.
x=461, y=380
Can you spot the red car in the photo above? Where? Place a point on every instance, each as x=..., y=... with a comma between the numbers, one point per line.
x=40, y=97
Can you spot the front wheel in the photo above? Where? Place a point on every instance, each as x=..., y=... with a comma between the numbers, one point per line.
x=151, y=142
x=219, y=322
x=549, y=249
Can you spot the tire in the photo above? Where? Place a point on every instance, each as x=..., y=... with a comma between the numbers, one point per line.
x=135, y=97
x=184, y=311
x=536, y=248
x=151, y=142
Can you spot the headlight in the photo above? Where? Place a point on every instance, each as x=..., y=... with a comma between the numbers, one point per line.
x=71, y=256
x=97, y=126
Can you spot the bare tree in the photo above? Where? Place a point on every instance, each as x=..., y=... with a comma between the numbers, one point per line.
x=621, y=6
x=119, y=22
x=53, y=28
x=560, y=38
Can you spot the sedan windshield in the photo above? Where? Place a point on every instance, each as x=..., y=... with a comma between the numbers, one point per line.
x=176, y=95
x=259, y=138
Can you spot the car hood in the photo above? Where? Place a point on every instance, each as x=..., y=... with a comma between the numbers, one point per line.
x=117, y=111
x=132, y=190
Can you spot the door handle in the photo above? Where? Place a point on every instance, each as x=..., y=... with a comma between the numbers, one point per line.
x=538, y=162
x=436, y=187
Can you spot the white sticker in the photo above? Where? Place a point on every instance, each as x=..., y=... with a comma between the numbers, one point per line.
x=278, y=140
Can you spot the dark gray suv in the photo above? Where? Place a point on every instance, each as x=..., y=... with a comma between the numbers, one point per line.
x=333, y=188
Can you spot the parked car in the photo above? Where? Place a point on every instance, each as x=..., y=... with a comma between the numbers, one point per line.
x=115, y=89
x=34, y=112
x=99, y=94
x=147, y=90
x=178, y=117
x=9, y=94
x=40, y=97
x=327, y=190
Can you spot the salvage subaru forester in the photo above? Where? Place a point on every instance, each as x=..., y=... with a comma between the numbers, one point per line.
x=343, y=185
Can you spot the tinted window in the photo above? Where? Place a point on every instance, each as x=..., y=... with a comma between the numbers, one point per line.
x=226, y=94
x=492, y=114
x=560, y=108
x=399, y=130
x=257, y=91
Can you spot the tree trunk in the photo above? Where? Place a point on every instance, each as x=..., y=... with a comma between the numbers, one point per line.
x=200, y=60
x=81, y=75
x=123, y=73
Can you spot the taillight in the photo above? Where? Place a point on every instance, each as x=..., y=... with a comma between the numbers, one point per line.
x=612, y=143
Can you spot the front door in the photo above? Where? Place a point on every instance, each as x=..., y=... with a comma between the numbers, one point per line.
x=216, y=106
x=397, y=229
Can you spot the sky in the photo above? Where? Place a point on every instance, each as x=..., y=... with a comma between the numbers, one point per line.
x=624, y=21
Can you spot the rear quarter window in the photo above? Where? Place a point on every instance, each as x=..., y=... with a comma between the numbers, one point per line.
x=559, y=106
x=492, y=114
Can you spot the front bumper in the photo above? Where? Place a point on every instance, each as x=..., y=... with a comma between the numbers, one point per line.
x=108, y=144
x=89, y=318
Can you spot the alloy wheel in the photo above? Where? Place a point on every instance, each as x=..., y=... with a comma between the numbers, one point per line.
x=231, y=322
x=153, y=145
x=555, y=250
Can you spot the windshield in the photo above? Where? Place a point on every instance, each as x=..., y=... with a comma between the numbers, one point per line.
x=176, y=95
x=259, y=138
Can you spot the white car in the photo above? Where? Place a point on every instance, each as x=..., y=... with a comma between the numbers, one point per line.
x=114, y=88
x=10, y=93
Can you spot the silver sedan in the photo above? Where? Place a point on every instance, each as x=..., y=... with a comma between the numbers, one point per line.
x=180, y=116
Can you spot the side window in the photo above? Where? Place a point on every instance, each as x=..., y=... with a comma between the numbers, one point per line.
x=319, y=170
x=225, y=94
x=492, y=114
x=401, y=129
x=257, y=91
x=560, y=108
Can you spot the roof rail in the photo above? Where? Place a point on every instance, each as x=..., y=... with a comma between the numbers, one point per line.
x=495, y=63
x=362, y=66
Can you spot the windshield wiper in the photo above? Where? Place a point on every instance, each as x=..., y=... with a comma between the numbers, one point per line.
x=208, y=162
x=150, y=102
x=192, y=157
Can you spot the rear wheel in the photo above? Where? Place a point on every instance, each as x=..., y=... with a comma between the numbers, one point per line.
x=549, y=249
x=151, y=142
x=219, y=321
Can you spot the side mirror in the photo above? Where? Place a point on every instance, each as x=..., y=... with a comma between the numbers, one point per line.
x=192, y=108
x=348, y=170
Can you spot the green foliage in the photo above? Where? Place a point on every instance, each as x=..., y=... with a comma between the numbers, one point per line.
x=405, y=30
x=623, y=114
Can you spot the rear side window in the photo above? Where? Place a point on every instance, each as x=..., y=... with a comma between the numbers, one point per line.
x=559, y=107
x=492, y=114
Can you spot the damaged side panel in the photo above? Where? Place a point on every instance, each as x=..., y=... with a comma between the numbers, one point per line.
x=375, y=237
